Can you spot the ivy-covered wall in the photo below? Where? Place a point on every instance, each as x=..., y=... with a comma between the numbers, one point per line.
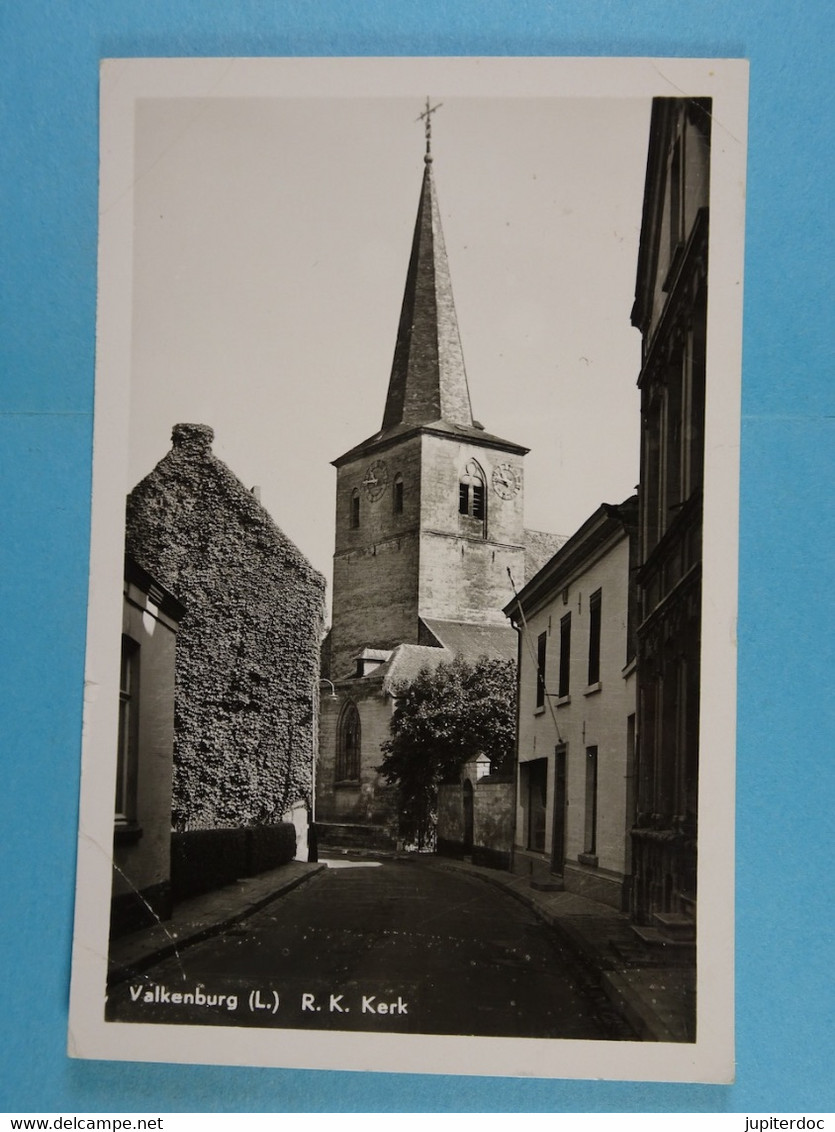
x=247, y=672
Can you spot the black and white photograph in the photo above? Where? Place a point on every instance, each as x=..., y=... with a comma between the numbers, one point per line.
x=410, y=692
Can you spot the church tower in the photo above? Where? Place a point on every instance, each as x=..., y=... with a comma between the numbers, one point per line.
x=429, y=510
x=429, y=518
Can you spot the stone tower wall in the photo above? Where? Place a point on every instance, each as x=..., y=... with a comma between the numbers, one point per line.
x=375, y=569
x=463, y=575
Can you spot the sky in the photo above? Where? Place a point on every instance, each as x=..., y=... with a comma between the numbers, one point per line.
x=271, y=239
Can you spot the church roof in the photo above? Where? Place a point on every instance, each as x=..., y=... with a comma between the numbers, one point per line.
x=471, y=641
x=406, y=661
x=455, y=639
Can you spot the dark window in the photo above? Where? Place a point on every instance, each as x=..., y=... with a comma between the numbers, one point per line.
x=126, y=756
x=594, y=637
x=348, y=745
x=355, y=509
x=591, y=801
x=397, y=499
x=541, y=647
x=565, y=655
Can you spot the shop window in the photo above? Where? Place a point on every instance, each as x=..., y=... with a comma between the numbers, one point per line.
x=537, y=795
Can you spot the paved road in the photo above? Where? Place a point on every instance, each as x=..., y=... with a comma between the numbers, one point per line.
x=398, y=945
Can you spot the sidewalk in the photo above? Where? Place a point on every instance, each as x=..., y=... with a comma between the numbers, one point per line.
x=201, y=917
x=653, y=990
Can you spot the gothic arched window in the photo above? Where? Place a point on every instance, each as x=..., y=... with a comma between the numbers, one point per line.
x=472, y=492
x=348, y=744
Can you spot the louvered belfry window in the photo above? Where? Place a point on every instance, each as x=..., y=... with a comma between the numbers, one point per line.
x=472, y=496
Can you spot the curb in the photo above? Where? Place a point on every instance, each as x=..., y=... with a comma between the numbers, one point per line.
x=119, y=973
x=626, y=1004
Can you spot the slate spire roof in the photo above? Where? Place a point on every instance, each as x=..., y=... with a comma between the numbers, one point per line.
x=428, y=389
x=428, y=381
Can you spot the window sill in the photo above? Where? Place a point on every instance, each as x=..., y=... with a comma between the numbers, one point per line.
x=540, y=710
x=347, y=784
x=588, y=859
x=563, y=701
x=629, y=668
x=593, y=689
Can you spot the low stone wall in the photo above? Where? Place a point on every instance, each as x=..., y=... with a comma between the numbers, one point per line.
x=492, y=833
x=493, y=800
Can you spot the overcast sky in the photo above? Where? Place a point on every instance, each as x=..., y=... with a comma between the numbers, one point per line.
x=271, y=242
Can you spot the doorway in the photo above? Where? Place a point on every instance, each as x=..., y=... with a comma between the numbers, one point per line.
x=537, y=771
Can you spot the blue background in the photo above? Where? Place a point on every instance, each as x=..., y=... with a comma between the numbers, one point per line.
x=48, y=176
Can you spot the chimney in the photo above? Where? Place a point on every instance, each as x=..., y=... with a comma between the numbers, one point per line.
x=193, y=438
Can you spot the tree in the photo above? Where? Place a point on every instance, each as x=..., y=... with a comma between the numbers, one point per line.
x=443, y=718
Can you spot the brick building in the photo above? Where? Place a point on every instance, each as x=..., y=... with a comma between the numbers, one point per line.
x=429, y=520
x=247, y=670
x=671, y=312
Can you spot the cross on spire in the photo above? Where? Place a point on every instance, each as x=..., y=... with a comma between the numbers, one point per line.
x=426, y=116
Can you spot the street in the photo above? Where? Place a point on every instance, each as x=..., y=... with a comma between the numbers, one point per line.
x=398, y=946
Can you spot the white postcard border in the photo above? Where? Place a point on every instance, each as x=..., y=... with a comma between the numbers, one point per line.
x=710, y=1057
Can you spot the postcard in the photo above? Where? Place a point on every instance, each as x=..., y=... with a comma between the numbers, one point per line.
x=410, y=692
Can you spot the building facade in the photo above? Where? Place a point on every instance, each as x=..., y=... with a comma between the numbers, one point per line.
x=671, y=313
x=145, y=753
x=575, y=800
x=429, y=524
x=247, y=671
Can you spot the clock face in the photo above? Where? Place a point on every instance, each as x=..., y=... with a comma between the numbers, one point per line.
x=375, y=479
x=507, y=480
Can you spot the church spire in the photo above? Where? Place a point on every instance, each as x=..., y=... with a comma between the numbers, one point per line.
x=428, y=381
